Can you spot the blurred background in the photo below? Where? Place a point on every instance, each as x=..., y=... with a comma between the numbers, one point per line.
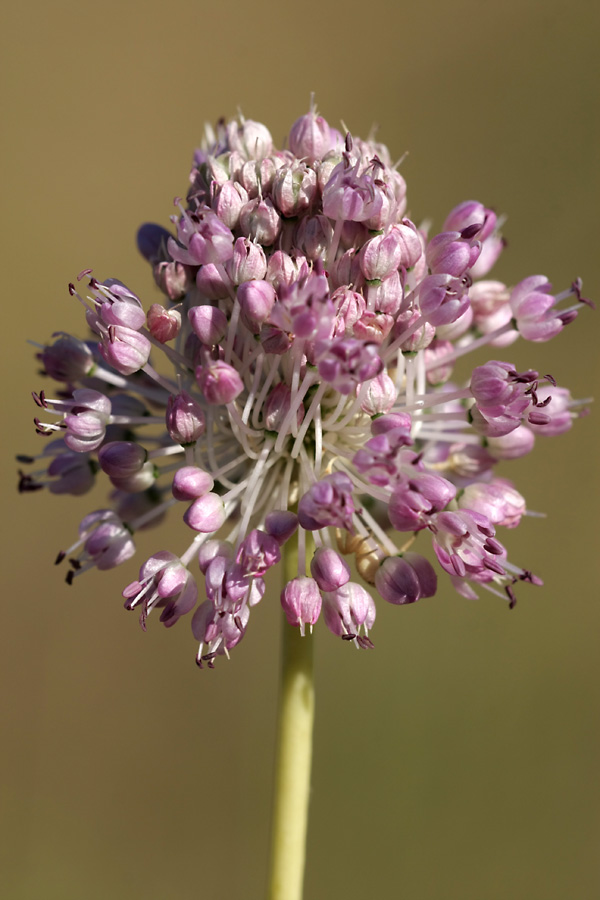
x=459, y=760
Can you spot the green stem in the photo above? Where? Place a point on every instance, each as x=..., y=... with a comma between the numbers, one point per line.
x=294, y=753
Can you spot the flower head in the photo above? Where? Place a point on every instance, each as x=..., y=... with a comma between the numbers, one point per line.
x=296, y=389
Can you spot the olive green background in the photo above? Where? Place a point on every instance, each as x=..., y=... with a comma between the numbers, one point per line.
x=459, y=760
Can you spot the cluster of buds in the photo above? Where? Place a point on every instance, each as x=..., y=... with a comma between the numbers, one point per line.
x=301, y=397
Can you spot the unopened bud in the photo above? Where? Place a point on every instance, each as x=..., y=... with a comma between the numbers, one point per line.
x=184, y=418
x=209, y=323
x=206, y=514
x=163, y=324
x=190, y=482
x=301, y=602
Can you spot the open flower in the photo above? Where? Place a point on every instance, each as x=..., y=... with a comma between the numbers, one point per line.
x=303, y=395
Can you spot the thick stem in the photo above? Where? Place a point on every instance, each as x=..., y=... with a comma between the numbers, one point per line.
x=294, y=752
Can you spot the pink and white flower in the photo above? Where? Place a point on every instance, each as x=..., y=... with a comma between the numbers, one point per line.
x=302, y=396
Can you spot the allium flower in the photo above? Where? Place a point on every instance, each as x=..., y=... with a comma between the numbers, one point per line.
x=301, y=394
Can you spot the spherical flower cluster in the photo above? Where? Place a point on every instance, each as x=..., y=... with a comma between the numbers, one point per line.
x=294, y=393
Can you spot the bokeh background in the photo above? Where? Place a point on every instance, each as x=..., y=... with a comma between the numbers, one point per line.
x=459, y=760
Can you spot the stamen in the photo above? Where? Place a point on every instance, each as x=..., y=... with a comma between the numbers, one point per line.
x=254, y=485
x=263, y=392
x=293, y=410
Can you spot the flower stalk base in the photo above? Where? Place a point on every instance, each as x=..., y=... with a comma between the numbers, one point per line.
x=293, y=764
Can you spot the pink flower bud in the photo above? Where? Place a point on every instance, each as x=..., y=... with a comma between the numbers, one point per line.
x=135, y=482
x=256, y=299
x=305, y=308
x=419, y=339
x=311, y=137
x=274, y=340
x=381, y=395
x=393, y=421
x=327, y=165
x=281, y=524
x=388, y=211
x=347, y=609
x=174, y=279
x=210, y=550
x=453, y=252
x=283, y=270
x=164, y=582
x=347, y=362
x=471, y=213
x=206, y=514
x=465, y=545
x=163, y=324
x=204, y=239
x=107, y=542
x=329, y=569
x=228, y=201
x=345, y=270
x=294, y=188
x=386, y=296
x=73, y=472
x=313, y=236
x=223, y=167
x=381, y=255
x=109, y=546
x=502, y=397
x=277, y=406
x=328, y=502
x=373, y=327
x=257, y=553
x=86, y=422
x=67, y=359
x=219, y=382
x=239, y=587
x=411, y=244
x=397, y=582
x=416, y=497
x=184, y=419
x=209, y=323
x=405, y=579
x=118, y=305
x=211, y=283
x=248, y=261
x=260, y=221
x=252, y=140
x=190, y=482
x=125, y=350
x=383, y=458
x=257, y=177
x=301, y=602
x=442, y=298
x=533, y=308
x=349, y=307
x=496, y=499
x=424, y=571
x=121, y=458
x=513, y=445
x=349, y=195
x=217, y=631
